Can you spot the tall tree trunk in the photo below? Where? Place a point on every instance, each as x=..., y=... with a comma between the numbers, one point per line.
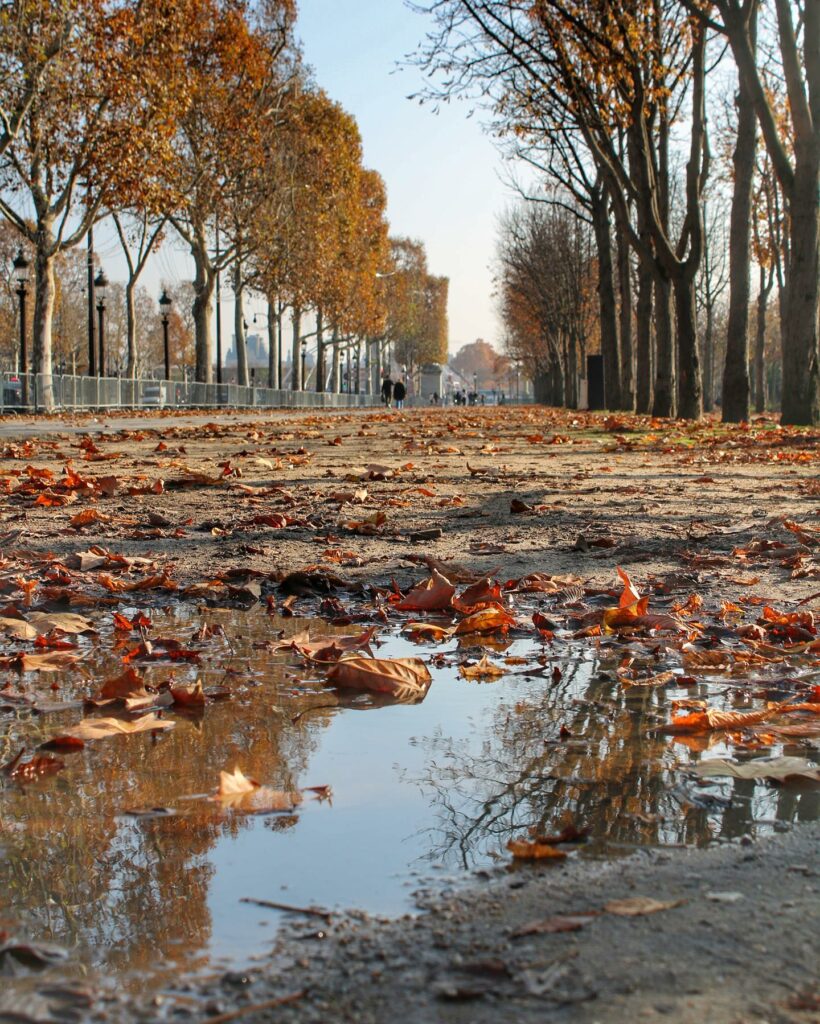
x=131, y=327
x=766, y=282
x=709, y=357
x=320, y=352
x=606, y=301
x=336, y=365
x=625, y=322
x=801, y=354
x=644, y=337
x=44, y=296
x=273, y=352
x=664, y=400
x=202, y=309
x=690, y=385
x=296, y=353
x=735, y=400
x=242, y=376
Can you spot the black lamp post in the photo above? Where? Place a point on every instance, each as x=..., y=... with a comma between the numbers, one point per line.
x=165, y=308
x=304, y=357
x=100, y=288
x=20, y=265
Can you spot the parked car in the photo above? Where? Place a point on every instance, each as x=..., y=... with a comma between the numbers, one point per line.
x=152, y=394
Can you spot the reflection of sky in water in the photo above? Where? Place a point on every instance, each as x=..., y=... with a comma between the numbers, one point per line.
x=442, y=784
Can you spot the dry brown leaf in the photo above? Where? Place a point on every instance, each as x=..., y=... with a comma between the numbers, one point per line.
x=483, y=669
x=528, y=849
x=638, y=906
x=406, y=679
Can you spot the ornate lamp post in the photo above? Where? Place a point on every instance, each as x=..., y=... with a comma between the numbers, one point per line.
x=165, y=309
x=304, y=357
x=20, y=265
x=100, y=289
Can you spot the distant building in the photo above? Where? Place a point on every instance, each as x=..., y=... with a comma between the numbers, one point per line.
x=257, y=348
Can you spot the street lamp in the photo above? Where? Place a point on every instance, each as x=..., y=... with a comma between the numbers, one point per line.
x=165, y=308
x=304, y=356
x=100, y=289
x=20, y=265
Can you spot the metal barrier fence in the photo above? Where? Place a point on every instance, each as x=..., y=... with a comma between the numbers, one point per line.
x=41, y=392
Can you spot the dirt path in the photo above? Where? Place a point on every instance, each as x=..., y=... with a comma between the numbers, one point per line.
x=659, y=497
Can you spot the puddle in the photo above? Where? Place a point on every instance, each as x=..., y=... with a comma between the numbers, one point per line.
x=419, y=792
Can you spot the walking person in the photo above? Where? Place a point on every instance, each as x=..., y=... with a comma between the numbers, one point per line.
x=399, y=393
x=387, y=391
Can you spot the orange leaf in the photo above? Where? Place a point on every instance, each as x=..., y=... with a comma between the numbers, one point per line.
x=526, y=849
x=406, y=679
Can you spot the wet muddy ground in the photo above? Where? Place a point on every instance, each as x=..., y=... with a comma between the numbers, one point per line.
x=552, y=723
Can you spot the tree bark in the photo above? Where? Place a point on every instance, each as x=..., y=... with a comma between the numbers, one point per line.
x=766, y=282
x=131, y=327
x=690, y=388
x=625, y=322
x=709, y=357
x=736, y=390
x=202, y=309
x=644, y=338
x=336, y=365
x=44, y=296
x=296, y=354
x=606, y=301
x=242, y=376
x=801, y=355
x=320, y=352
x=273, y=351
x=664, y=400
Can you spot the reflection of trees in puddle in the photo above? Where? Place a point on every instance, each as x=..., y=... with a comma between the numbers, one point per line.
x=611, y=775
x=132, y=892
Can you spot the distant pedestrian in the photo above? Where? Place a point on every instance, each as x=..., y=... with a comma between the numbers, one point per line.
x=387, y=391
x=399, y=392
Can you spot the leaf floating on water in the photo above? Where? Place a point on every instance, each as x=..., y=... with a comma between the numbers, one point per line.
x=406, y=679
x=777, y=768
x=483, y=669
x=240, y=793
x=235, y=783
x=435, y=594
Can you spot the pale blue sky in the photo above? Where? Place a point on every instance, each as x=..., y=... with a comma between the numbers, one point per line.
x=441, y=170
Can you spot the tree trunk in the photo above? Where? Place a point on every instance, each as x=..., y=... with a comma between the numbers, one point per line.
x=709, y=358
x=296, y=354
x=663, y=403
x=625, y=322
x=606, y=302
x=242, y=376
x=643, y=309
x=336, y=365
x=131, y=327
x=766, y=282
x=320, y=353
x=735, y=400
x=273, y=368
x=690, y=386
x=44, y=296
x=202, y=309
x=801, y=356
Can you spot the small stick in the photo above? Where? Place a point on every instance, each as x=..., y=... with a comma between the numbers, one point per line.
x=289, y=908
x=243, y=1011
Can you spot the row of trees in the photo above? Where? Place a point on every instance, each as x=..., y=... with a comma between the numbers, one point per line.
x=608, y=103
x=197, y=119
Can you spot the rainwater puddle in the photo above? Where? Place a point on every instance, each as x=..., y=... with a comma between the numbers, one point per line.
x=125, y=859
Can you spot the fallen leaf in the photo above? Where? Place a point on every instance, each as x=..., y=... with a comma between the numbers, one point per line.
x=406, y=679
x=435, y=594
x=528, y=849
x=551, y=925
x=483, y=669
x=638, y=906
